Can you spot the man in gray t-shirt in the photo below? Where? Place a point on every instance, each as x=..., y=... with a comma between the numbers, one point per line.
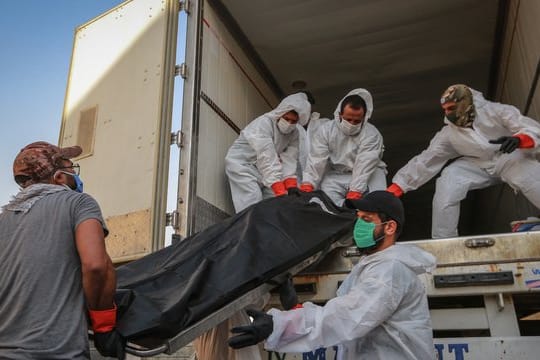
x=54, y=269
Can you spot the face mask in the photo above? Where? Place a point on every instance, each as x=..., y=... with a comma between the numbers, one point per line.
x=348, y=128
x=78, y=182
x=363, y=234
x=285, y=127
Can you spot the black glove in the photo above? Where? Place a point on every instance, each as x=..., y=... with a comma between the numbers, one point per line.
x=293, y=191
x=249, y=335
x=110, y=344
x=287, y=294
x=508, y=143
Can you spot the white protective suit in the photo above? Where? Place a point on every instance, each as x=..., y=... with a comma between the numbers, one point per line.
x=263, y=155
x=338, y=163
x=481, y=163
x=304, y=137
x=380, y=312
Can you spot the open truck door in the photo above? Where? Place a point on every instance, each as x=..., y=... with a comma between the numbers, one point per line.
x=118, y=108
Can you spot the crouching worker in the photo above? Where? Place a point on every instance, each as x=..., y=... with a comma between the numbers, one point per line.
x=381, y=309
x=54, y=269
x=262, y=162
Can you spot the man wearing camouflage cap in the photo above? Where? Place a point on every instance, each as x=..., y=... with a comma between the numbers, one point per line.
x=490, y=142
x=53, y=263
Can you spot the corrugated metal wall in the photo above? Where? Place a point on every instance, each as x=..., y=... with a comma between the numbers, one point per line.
x=231, y=82
x=521, y=53
x=496, y=207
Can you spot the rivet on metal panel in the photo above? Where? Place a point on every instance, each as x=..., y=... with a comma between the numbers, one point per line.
x=479, y=242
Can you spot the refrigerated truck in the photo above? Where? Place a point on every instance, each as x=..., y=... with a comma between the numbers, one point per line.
x=240, y=59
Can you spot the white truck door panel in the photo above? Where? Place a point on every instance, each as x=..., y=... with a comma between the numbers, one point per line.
x=118, y=107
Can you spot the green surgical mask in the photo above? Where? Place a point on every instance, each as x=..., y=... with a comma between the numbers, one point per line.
x=363, y=234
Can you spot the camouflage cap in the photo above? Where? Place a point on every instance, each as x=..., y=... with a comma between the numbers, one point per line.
x=38, y=161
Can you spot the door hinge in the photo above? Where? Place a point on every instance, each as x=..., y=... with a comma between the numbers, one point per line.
x=177, y=138
x=184, y=6
x=181, y=70
x=172, y=219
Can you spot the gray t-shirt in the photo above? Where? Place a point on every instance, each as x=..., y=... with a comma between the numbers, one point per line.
x=42, y=306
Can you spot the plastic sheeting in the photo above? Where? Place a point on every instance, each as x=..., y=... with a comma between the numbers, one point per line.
x=167, y=291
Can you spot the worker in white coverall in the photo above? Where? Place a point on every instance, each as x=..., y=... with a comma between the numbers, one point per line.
x=262, y=161
x=492, y=143
x=345, y=155
x=381, y=309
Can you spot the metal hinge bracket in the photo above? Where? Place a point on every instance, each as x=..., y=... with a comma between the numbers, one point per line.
x=173, y=219
x=184, y=5
x=181, y=70
x=177, y=138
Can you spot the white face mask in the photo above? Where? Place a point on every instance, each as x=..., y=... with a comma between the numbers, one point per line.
x=348, y=128
x=285, y=127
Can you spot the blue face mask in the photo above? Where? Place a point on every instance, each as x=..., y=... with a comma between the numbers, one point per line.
x=78, y=182
x=363, y=234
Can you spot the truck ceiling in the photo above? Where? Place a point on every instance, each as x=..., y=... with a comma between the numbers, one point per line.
x=404, y=52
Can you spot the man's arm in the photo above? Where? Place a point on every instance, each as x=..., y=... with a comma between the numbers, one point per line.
x=421, y=168
x=373, y=300
x=98, y=274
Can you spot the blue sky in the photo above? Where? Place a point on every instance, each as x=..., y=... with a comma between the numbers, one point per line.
x=36, y=38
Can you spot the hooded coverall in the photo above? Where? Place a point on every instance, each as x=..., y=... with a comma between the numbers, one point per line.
x=262, y=155
x=380, y=312
x=479, y=164
x=338, y=163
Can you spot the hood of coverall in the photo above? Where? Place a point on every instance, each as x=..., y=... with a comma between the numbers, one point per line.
x=364, y=94
x=415, y=258
x=297, y=102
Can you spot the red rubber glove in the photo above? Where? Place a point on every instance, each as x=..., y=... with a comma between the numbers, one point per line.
x=103, y=320
x=525, y=141
x=353, y=195
x=306, y=187
x=279, y=188
x=290, y=183
x=396, y=190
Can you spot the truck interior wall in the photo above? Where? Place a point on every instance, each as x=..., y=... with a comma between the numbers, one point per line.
x=493, y=209
x=404, y=53
x=232, y=94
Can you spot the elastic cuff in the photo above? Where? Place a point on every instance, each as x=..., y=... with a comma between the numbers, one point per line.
x=103, y=320
x=525, y=141
x=290, y=183
x=395, y=189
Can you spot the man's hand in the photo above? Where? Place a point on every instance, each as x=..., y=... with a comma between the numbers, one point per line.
x=279, y=188
x=508, y=143
x=287, y=294
x=353, y=195
x=396, y=190
x=306, y=187
x=249, y=335
x=110, y=344
x=107, y=340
